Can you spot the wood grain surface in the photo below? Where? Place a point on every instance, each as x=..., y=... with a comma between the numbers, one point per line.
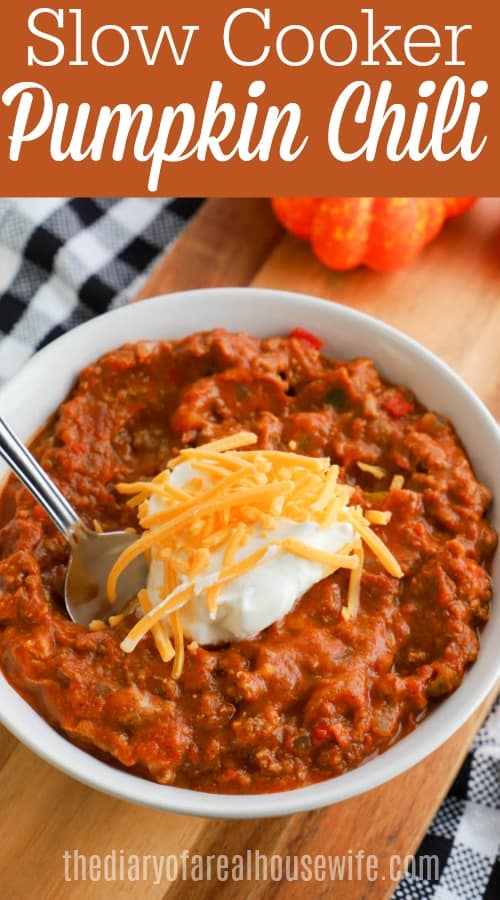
x=450, y=301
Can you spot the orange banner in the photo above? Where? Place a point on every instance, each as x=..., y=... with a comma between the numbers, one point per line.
x=222, y=99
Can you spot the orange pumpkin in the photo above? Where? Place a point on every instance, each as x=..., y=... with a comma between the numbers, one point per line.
x=383, y=233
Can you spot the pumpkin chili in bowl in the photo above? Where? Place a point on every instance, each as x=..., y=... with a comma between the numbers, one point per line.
x=326, y=681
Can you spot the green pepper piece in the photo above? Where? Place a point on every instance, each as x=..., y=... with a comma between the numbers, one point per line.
x=336, y=397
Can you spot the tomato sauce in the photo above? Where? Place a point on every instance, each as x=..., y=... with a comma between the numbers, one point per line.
x=312, y=696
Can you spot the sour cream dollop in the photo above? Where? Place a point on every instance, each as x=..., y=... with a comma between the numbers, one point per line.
x=256, y=599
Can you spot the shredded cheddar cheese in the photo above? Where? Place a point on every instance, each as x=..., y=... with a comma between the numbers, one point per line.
x=351, y=610
x=236, y=490
x=176, y=626
x=161, y=638
x=373, y=541
x=376, y=471
x=378, y=517
x=332, y=560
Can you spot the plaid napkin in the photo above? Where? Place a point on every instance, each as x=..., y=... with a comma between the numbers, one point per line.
x=465, y=833
x=64, y=261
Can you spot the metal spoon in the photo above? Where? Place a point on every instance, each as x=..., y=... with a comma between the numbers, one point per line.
x=92, y=553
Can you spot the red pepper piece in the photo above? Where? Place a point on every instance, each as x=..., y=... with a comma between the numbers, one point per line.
x=320, y=733
x=397, y=406
x=304, y=335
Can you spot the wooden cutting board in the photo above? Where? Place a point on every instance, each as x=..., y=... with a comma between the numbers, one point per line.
x=450, y=301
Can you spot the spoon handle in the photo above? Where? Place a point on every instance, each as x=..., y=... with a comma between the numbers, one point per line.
x=43, y=489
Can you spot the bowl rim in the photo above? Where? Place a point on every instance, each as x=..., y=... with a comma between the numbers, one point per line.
x=87, y=769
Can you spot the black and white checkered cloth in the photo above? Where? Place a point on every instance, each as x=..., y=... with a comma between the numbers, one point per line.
x=64, y=261
x=465, y=833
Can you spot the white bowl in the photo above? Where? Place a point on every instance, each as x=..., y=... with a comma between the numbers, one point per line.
x=29, y=398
